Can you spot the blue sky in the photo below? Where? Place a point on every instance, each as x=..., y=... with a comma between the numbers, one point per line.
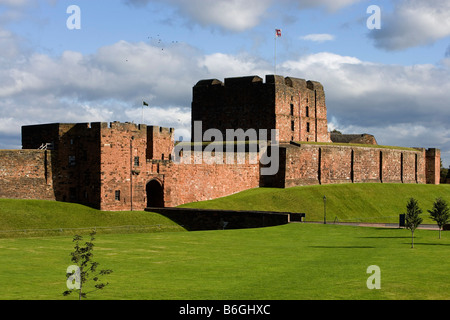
x=393, y=82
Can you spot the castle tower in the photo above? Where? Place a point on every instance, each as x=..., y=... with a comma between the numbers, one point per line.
x=295, y=107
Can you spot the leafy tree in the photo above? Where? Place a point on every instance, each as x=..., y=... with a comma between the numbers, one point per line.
x=85, y=268
x=440, y=213
x=413, y=220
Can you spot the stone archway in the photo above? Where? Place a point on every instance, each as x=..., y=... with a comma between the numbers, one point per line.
x=155, y=194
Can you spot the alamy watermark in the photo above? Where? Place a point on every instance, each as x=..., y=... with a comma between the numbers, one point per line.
x=374, y=281
x=250, y=146
x=74, y=280
x=374, y=21
x=73, y=22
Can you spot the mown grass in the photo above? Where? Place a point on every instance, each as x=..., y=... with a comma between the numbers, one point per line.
x=290, y=262
x=365, y=202
x=47, y=215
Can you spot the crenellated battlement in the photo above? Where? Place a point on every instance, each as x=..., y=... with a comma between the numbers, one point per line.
x=294, y=106
x=128, y=166
x=277, y=80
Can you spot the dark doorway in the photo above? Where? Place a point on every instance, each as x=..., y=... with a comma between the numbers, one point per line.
x=155, y=194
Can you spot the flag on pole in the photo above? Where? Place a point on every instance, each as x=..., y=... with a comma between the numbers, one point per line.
x=278, y=33
x=145, y=103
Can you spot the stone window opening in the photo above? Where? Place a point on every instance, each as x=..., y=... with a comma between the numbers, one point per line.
x=136, y=161
x=292, y=126
x=117, y=195
x=307, y=112
x=308, y=129
x=292, y=109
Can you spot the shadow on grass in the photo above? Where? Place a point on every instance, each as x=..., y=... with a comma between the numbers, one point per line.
x=385, y=237
x=343, y=247
x=430, y=244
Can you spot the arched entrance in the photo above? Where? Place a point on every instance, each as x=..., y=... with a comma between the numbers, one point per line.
x=155, y=194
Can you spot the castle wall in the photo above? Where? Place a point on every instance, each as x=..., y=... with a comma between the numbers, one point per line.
x=238, y=103
x=123, y=148
x=75, y=155
x=295, y=107
x=160, y=142
x=300, y=109
x=316, y=164
x=366, y=165
x=26, y=174
x=336, y=165
x=433, y=166
x=185, y=183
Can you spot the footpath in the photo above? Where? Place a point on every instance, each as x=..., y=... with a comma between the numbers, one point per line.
x=376, y=225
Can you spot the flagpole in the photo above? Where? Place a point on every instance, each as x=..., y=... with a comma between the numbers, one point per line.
x=275, y=55
x=277, y=34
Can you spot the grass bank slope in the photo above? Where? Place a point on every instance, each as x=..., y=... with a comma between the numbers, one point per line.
x=38, y=214
x=367, y=202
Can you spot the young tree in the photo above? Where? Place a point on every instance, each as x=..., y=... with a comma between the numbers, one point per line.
x=413, y=220
x=85, y=268
x=440, y=213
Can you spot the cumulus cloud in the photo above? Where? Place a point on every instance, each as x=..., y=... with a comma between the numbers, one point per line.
x=110, y=85
x=234, y=15
x=413, y=23
x=331, y=5
x=238, y=15
x=400, y=105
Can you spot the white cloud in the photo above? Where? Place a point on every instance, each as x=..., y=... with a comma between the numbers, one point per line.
x=226, y=65
x=234, y=15
x=238, y=15
x=400, y=105
x=331, y=5
x=111, y=84
x=413, y=23
x=318, y=37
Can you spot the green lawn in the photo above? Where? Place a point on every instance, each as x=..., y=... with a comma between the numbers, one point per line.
x=368, y=202
x=37, y=214
x=290, y=262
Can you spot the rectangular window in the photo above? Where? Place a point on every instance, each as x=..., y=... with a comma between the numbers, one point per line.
x=307, y=127
x=292, y=109
x=73, y=194
x=292, y=125
x=72, y=161
x=117, y=195
x=136, y=161
x=307, y=112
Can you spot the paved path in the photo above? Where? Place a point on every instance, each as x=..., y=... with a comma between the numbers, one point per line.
x=377, y=225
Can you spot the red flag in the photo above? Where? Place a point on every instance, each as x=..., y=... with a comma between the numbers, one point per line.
x=278, y=32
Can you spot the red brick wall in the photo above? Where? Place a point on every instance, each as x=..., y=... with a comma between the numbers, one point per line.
x=160, y=142
x=300, y=110
x=336, y=165
x=366, y=165
x=185, y=183
x=26, y=174
x=105, y=154
x=120, y=144
x=433, y=166
x=314, y=164
x=249, y=103
x=302, y=165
